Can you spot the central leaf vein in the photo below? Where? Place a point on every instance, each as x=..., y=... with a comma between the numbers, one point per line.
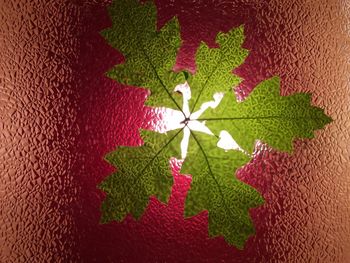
x=210, y=171
x=160, y=80
x=157, y=154
x=155, y=70
x=206, y=82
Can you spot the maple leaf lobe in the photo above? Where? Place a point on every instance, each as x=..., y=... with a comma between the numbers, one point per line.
x=149, y=54
x=215, y=189
x=142, y=172
x=215, y=65
x=267, y=116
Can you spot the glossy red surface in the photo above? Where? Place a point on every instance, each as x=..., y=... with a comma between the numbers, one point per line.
x=60, y=116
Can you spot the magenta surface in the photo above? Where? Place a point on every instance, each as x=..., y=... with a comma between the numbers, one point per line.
x=54, y=88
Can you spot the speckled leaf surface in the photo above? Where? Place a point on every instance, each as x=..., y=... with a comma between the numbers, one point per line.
x=150, y=54
x=142, y=172
x=216, y=189
x=215, y=65
x=267, y=116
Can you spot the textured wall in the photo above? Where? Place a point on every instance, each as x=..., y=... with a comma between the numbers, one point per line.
x=59, y=115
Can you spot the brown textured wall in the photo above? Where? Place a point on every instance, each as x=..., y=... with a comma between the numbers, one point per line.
x=59, y=116
x=38, y=48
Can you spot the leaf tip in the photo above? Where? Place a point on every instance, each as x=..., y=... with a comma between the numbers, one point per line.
x=328, y=119
x=236, y=34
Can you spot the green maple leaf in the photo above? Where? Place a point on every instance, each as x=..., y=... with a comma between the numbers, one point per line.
x=267, y=116
x=215, y=65
x=144, y=171
x=215, y=189
x=150, y=54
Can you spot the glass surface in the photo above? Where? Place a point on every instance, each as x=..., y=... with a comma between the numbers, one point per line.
x=60, y=115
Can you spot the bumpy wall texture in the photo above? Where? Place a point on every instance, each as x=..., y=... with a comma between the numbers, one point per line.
x=59, y=115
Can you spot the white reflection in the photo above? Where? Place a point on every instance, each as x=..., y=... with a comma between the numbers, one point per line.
x=184, y=143
x=199, y=126
x=185, y=90
x=226, y=142
x=210, y=104
x=175, y=119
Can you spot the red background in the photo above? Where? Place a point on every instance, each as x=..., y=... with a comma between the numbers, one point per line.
x=60, y=116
